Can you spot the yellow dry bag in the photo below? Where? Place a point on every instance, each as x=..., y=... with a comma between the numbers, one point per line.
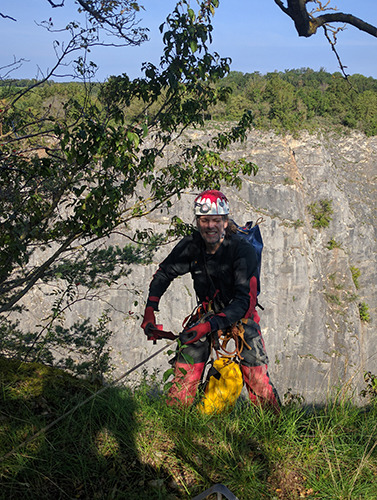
x=222, y=393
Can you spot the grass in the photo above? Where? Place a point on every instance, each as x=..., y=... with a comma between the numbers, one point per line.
x=127, y=444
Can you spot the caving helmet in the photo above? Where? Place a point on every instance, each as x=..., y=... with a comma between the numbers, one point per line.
x=211, y=202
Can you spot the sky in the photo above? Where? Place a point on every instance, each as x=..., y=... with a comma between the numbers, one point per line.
x=255, y=34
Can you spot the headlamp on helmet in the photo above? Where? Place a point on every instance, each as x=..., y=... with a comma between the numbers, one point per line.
x=211, y=202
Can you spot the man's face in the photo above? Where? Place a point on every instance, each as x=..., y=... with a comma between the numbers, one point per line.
x=212, y=230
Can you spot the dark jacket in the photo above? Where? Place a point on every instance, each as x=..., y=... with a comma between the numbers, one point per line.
x=228, y=277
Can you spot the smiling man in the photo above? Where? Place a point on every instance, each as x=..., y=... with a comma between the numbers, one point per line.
x=212, y=230
x=223, y=267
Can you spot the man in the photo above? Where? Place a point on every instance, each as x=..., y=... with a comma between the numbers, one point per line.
x=223, y=267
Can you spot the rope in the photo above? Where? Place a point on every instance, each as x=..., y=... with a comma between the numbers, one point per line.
x=237, y=333
x=79, y=405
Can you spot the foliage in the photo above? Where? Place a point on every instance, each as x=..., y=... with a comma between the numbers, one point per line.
x=170, y=372
x=82, y=348
x=364, y=312
x=72, y=175
x=302, y=99
x=96, y=23
x=355, y=271
x=331, y=244
x=298, y=223
x=371, y=386
x=130, y=443
x=321, y=212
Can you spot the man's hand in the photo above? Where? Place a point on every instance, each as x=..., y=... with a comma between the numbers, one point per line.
x=196, y=332
x=149, y=321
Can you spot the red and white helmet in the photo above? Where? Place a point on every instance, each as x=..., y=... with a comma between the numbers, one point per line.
x=211, y=202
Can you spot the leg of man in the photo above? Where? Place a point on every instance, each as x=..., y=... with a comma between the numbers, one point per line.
x=259, y=386
x=254, y=366
x=187, y=375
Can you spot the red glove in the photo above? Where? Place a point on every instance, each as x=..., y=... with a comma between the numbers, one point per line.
x=149, y=320
x=195, y=333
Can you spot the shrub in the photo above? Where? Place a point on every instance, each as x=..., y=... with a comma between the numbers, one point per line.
x=364, y=312
x=321, y=212
x=331, y=244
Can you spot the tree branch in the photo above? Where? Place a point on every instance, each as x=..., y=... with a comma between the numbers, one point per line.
x=7, y=17
x=307, y=24
x=296, y=10
x=54, y=4
x=332, y=43
x=118, y=23
x=339, y=17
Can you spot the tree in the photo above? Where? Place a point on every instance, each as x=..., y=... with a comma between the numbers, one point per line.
x=67, y=183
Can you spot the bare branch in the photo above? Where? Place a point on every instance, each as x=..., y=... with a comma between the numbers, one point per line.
x=7, y=17
x=54, y=4
x=333, y=43
x=280, y=4
x=339, y=17
x=122, y=24
x=37, y=274
x=307, y=24
x=296, y=10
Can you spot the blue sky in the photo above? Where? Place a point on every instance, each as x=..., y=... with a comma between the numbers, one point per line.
x=255, y=34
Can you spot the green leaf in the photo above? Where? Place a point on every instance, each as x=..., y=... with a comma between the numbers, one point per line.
x=167, y=386
x=189, y=359
x=193, y=46
x=131, y=136
x=168, y=374
x=191, y=15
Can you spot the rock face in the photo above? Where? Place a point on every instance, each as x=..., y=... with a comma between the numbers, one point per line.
x=311, y=324
x=311, y=321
